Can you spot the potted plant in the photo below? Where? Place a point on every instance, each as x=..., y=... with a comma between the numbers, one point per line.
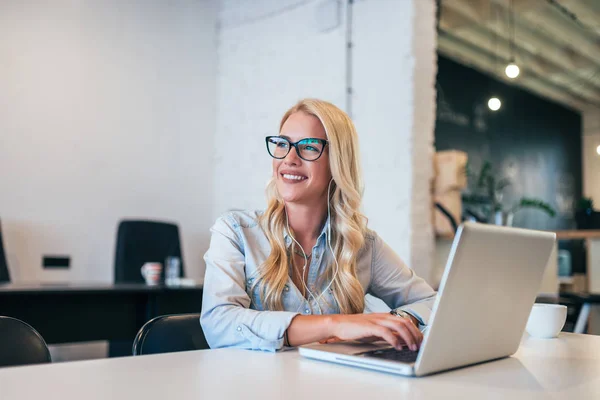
x=488, y=195
x=526, y=202
x=585, y=214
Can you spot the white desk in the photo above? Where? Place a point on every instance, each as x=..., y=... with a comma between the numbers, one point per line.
x=563, y=368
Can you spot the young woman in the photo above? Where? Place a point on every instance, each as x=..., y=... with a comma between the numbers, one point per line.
x=298, y=272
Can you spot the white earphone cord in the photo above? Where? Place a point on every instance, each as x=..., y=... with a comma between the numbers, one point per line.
x=337, y=267
x=305, y=263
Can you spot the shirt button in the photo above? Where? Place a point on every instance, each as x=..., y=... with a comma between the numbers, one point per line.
x=239, y=328
x=307, y=311
x=287, y=289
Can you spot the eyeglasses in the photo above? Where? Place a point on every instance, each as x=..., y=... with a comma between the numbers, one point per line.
x=308, y=149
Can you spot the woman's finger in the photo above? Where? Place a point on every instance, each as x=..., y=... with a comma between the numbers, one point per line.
x=400, y=326
x=330, y=340
x=387, y=335
x=416, y=332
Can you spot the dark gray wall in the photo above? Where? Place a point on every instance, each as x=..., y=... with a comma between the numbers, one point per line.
x=533, y=140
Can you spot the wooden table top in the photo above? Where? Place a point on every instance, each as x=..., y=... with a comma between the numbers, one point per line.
x=578, y=234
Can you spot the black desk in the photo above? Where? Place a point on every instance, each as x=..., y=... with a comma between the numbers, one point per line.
x=66, y=313
x=586, y=300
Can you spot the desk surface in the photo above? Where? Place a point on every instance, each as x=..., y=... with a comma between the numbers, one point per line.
x=87, y=287
x=560, y=235
x=80, y=312
x=567, y=367
x=578, y=234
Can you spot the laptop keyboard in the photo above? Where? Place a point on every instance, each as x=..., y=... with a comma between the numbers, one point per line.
x=404, y=355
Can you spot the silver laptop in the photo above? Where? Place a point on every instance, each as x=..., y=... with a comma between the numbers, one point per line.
x=486, y=293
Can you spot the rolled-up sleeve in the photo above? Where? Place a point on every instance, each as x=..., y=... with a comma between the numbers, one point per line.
x=226, y=318
x=397, y=285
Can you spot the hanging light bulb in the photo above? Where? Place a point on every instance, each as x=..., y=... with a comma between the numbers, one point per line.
x=512, y=70
x=598, y=150
x=494, y=104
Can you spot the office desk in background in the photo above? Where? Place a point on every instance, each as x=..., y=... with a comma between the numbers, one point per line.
x=563, y=368
x=592, y=245
x=68, y=313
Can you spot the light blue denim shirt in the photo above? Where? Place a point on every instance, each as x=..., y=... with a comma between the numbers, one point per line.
x=232, y=315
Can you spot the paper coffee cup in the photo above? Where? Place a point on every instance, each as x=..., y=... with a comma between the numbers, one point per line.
x=151, y=272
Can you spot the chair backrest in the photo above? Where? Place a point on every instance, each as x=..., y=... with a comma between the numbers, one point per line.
x=139, y=242
x=20, y=344
x=4, y=274
x=170, y=333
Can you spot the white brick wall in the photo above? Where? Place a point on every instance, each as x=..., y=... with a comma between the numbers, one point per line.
x=277, y=54
x=383, y=110
x=394, y=67
x=423, y=125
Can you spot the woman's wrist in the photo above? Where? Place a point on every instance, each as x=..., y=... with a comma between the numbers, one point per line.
x=414, y=320
x=309, y=328
x=406, y=315
x=330, y=325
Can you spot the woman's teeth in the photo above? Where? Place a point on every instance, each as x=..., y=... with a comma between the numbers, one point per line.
x=294, y=177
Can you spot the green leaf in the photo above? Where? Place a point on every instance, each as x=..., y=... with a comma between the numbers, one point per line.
x=527, y=202
x=502, y=183
x=483, y=174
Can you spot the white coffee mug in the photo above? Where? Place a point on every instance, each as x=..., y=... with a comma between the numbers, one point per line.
x=546, y=320
x=151, y=272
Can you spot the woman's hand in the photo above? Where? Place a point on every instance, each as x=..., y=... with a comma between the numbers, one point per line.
x=395, y=330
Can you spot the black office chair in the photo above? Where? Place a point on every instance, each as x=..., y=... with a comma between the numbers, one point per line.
x=139, y=242
x=20, y=344
x=4, y=274
x=169, y=334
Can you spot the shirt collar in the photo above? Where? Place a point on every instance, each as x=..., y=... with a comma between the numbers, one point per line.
x=323, y=234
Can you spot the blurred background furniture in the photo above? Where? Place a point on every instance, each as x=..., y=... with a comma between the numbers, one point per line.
x=584, y=289
x=20, y=344
x=4, y=274
x=169, y=334
x=450, y=179
x=70, y=313
x=141, y=241
x=586, y=303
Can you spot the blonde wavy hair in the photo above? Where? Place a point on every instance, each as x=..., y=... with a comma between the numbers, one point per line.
x=348, y=225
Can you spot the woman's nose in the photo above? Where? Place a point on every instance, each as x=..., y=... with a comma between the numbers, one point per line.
x=292, y=157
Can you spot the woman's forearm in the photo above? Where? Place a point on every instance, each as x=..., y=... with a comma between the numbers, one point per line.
x=370, y=327
x=309, y=329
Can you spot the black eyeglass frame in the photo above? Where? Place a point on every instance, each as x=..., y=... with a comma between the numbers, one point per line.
x=295, y=145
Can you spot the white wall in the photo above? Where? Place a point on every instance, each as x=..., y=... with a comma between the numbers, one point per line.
x=271, y=54
x=106, y=111
x=393, y=106
x=591, y=159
